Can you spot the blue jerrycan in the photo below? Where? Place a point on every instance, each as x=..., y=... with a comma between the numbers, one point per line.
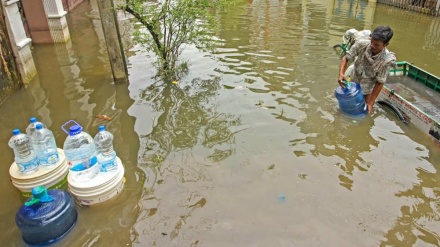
x=351, y=100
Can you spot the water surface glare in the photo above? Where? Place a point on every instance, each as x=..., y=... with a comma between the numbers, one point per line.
x=250, y=148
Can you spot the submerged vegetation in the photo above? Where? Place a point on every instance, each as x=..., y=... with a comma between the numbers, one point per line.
x=168, y=25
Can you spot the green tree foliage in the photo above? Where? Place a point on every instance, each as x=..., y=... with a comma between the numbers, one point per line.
x=170, y=24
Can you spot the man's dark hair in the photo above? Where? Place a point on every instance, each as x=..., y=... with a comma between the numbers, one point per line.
x=382, y=33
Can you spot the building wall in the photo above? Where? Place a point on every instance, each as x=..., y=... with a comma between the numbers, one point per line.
x=70, y=4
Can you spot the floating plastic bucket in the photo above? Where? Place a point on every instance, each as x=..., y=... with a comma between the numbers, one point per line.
x=99, y=189
x=54, y=177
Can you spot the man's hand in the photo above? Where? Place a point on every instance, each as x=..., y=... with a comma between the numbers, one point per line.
x=371, y=98
x=342, y=80
x=342, y=68
x=369, y=108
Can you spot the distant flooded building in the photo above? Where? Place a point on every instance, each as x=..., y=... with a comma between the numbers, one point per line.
x=431, y=7
x=23, y=23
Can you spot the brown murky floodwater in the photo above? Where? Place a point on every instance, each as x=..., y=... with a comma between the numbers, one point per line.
x=250, y=149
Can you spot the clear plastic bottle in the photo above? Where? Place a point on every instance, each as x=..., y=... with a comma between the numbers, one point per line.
x=80, y=152
x=25, y=156
x=45, y=146
x=32, y=125
x=106, y=153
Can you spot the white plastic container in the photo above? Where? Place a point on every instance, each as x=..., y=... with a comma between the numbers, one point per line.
x=54, y=177
x=99, y=189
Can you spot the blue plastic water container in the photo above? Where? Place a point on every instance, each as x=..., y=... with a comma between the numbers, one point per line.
x=351, y=100
x=46, y=217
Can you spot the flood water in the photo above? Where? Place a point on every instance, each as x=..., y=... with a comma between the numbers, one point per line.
x=250, y=148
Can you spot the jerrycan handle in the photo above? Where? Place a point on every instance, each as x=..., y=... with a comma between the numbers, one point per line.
x=63, y=127
x=347, y=84
x=39, y=195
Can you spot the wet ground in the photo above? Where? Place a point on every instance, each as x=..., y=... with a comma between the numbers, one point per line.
x=250, y=148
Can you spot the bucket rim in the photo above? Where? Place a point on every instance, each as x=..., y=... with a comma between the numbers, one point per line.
x=41, y=172
x=27, y=187
x=86, y=201
x=98, y=189
x=96, y=182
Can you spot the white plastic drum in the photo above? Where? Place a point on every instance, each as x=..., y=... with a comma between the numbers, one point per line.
x=54, y=177
x=100, y=188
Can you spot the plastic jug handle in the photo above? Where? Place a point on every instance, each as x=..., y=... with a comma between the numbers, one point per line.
x=347, y=84
x=68, y=122
x=39, y=195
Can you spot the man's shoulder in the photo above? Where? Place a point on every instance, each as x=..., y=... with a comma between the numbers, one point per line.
x=390, y=57
x=363, y=43
x=357, y=48
x=359, y=45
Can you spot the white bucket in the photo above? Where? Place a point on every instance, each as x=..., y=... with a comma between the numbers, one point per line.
x=54, y=177
x=100, y=188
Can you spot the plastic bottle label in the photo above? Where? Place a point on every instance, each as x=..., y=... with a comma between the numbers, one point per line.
x=81, y=165
x=51, y=160
x=25, y=167
x=108, y=166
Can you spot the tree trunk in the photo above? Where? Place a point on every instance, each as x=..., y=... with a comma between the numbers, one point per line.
x=113, y=40
x=10, y=79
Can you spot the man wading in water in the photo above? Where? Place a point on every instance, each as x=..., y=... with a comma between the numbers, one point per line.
x=372, y=64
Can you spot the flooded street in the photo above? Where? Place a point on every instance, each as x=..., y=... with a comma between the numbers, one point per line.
x=250, y=148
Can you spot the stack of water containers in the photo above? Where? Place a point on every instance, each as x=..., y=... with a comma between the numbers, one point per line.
x=96, y=173
x=351, y=100
x=90, y=166
x=38, y=161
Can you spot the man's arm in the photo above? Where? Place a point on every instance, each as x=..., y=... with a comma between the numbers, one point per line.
x=349, y=56
x=371, y=98
x=380, y=80
x=342, y=68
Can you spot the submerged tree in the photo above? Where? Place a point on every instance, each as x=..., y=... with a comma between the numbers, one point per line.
x=170, y=24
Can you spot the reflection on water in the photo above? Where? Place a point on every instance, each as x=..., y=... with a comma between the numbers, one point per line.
x=74, y=82
x=250, y=148
x=183, y=116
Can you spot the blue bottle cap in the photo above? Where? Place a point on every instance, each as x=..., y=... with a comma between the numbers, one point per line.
x=16, y=132
x=33, y=119
x=101, y=128
x=39, y=126
x=39, y=194
x=75, y=130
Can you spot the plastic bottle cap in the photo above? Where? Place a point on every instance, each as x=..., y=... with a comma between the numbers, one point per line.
x=101, y=128
x=39, y=194
x=33, y=119
x=39, y=126
x=75, y=129
x=16, y=132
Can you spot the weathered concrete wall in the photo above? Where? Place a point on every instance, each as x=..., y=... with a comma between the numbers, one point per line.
x=9, y=76
x=70, y=4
